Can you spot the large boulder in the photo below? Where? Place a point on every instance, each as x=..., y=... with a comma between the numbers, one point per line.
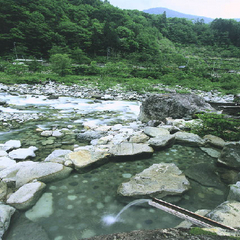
x=159, y=180
x=26, y=196
x=161, y=106
x=230, y=155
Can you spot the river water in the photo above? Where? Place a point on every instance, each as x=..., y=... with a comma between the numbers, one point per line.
x=75, y=207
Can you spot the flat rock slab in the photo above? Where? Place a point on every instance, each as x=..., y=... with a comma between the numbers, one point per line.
x=58, y=156
x=128, y=149
x=159, y=180
x=26, y=196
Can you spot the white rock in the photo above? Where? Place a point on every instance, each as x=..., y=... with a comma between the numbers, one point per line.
x=3, y=153
x=43, y=208
x=26, y=196
x=11, y=144
x=57, y=133
x=46, y=133
x=6, y=162
x=23, y=153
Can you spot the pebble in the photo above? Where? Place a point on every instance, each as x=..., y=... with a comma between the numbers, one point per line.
x=126, y=175
x=72, y=197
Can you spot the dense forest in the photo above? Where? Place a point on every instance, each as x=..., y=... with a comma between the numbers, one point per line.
x=93, y=28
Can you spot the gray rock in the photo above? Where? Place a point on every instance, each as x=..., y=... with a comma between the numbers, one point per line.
x=23, y=153
x=26, y=196
x=159, y=180
x=230, y=155
x=234, y=192
x=6, y=213
x=162, y=142
x=190, y=139
x=156, y=131
x=159, y=107
x=127, y=149
x=227, y=213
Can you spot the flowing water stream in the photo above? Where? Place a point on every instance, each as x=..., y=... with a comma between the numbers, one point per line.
x=87, y=204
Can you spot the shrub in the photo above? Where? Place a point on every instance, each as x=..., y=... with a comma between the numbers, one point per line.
x=219, y=125
x=61, y=64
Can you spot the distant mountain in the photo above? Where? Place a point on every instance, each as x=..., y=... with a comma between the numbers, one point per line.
x=172, y=14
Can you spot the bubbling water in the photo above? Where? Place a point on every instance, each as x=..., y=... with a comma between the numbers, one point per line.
x=109, y=220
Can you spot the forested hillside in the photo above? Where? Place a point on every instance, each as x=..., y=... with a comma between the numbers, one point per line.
x=86, y=29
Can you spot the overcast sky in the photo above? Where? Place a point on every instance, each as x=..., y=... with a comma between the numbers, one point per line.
x=206, y=8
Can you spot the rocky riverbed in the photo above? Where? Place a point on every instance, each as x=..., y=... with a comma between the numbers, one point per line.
x=55, y=137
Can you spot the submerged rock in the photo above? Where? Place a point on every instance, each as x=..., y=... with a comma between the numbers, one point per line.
x=204, y=173
x=26, y=196
x=43, y=208
x=159, y=180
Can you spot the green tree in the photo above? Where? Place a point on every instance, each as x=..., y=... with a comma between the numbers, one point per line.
x=61, y=64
